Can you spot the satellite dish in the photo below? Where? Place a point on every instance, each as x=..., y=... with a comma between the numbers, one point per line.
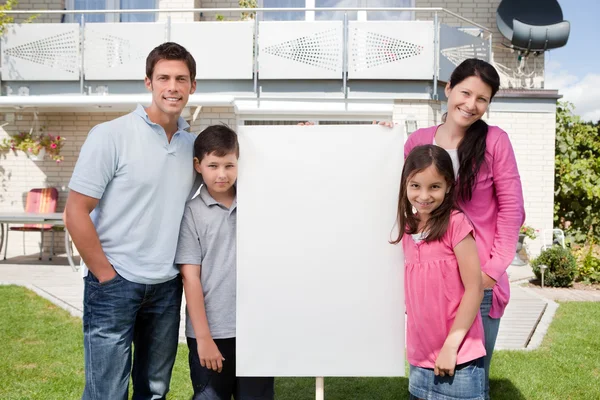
x=532, y=25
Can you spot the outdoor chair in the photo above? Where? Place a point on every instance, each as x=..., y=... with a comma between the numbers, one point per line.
x=39, y=201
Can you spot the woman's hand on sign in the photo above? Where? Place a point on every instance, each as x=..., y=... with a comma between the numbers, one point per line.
x=388, y=124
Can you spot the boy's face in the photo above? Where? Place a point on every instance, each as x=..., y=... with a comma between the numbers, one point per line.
x=219, y=173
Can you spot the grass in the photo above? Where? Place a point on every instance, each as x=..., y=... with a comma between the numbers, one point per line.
x=42, y=358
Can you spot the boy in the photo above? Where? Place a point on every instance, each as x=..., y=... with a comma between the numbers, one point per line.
x=207, y=259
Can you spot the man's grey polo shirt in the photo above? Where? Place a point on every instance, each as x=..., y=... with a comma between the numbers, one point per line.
x=207, y=238
x=142, y=182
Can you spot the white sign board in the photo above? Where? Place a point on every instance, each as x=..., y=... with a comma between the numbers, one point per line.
x=319, y=289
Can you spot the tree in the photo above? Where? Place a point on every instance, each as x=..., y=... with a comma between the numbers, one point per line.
x=577, y=175
x=6, y=19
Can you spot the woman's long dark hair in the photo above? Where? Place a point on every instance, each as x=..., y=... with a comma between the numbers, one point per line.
x=471, y=150
x=420, y=158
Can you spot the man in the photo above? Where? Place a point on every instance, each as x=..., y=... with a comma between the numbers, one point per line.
x=128, y=193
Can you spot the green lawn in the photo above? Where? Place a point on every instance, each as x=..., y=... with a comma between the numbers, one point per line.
x=42, y=358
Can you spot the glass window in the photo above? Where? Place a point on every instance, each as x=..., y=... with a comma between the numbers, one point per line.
x=138, y=4
x=111, y=5
x=89, y=5
x=336, y=15
x=283, y=15
x=390, y=15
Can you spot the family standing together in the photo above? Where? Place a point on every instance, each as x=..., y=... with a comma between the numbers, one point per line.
x=144, y=241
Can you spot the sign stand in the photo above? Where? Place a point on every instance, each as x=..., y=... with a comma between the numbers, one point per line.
x=320, y=388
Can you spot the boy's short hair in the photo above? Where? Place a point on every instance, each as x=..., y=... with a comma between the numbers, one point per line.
x=218, y=139
x=170, y=51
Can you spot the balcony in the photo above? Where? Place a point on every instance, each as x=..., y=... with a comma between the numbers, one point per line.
x=376, y=59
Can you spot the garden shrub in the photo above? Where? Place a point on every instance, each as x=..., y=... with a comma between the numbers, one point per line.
x=562, y=266
x=588, y=263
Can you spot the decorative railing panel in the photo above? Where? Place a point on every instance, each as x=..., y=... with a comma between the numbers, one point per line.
x=41, y=52
x=301, y=50
x=456, y=45
x=118, y=51
x=223, y=50
x=390, y=50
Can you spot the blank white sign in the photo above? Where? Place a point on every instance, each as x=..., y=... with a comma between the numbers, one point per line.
x=319, y=289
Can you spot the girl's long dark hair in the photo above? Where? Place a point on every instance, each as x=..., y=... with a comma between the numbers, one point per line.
x=420, y=158
x=472, y=148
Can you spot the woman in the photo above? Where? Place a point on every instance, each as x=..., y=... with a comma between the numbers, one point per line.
x=489, y=186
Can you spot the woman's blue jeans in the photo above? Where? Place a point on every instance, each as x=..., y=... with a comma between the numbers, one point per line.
x=490, y=328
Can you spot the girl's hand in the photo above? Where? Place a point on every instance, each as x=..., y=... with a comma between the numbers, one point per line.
x=445, y=362
x=209, y=354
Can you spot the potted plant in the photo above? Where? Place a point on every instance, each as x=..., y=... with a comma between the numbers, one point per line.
x=521, y=257
x=35, y=146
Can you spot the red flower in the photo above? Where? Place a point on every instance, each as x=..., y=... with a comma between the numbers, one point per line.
x=53, y=145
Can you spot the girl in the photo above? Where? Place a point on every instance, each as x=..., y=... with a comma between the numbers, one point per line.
x=489, y=186
x=442, y=282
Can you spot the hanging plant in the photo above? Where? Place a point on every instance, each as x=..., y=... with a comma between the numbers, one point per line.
x=34, y=144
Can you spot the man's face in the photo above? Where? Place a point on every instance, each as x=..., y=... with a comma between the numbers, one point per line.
x=218, y=173
x=171, y=86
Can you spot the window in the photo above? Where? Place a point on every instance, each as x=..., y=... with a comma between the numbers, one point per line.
x=111, y=5
x=283, y=15
x=336, y=15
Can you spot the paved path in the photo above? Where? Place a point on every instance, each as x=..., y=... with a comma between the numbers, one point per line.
x=567, y=294
x=59, y=284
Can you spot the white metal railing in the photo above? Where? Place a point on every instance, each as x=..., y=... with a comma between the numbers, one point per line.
x=413, y=50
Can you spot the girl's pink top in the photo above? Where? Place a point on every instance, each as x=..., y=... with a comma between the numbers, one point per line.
x=433, y=291
x=496, y=209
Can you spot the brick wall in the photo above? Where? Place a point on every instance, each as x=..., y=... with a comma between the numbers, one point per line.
x=213, y=116
x=210, y=16
x=40, y=5
x=532, y=136
x=424, y=112
x=175, y=4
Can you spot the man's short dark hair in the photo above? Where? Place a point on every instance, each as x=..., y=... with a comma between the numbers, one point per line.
x=219, y=140
x=170, y=51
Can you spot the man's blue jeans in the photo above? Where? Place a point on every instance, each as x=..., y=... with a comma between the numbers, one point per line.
x=490, y=329
x=118, y=313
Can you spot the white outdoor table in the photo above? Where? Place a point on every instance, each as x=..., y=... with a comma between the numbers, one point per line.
x=54, y=219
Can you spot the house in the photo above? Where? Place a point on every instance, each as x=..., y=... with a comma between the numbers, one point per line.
x=64, y=74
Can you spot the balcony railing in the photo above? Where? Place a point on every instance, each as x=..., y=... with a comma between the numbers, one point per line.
x=245, y=50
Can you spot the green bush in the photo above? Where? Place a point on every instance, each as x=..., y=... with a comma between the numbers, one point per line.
x=561, y=264
x=588, y=263
x=589, y=269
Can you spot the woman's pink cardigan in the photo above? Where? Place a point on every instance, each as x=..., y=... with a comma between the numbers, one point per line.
x=496, y=208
